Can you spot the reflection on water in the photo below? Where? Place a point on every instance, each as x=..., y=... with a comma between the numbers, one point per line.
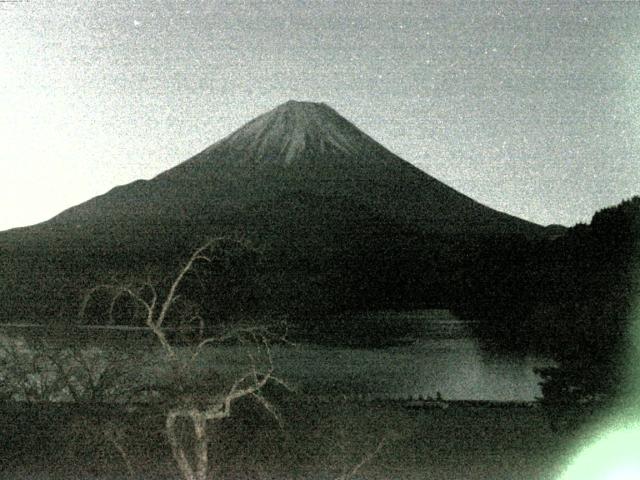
x=435, y=354
x=457, y=368
x=428, y=351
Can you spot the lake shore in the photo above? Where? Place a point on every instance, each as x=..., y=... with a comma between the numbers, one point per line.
x=316, y=440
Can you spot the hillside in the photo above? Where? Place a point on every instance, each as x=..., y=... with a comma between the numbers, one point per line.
x=341, y=221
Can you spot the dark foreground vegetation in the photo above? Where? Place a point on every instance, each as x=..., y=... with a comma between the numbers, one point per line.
x=313, y=440
x=571, y=296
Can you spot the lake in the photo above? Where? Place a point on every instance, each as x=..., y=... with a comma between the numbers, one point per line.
x=436, y=353
x=457, y=368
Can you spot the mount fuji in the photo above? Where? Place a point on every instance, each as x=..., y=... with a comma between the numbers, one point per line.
x=298, y=151
x=342, y=222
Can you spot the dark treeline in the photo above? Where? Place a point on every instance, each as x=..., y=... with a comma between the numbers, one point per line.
x=569, y=295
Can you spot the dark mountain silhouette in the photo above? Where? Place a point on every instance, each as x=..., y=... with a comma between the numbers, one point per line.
x=297, y=153
x=342, y=221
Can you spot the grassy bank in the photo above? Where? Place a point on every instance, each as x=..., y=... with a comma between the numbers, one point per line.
x=315, y=440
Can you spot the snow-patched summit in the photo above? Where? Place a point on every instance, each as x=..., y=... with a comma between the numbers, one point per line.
x=294, y=128
x=292, y=133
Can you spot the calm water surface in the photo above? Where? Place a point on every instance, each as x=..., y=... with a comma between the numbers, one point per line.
x=439, y=355
x=456, y=367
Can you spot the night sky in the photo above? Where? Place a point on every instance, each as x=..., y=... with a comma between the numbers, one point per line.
x=531, y=108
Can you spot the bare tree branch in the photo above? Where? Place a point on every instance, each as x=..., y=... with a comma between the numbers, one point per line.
x=365, y=459
x=171, y=296
x=197, y=408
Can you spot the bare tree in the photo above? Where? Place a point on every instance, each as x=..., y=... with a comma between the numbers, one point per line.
x=191, y=399
x=37, y=371
x=23, y=375
x=186, y=397
x=40, y=372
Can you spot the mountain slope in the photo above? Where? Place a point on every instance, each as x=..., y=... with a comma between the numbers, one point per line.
x=297, y=147
x=341, y=220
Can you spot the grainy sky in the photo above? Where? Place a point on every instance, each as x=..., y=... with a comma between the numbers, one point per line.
x=532, y=108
